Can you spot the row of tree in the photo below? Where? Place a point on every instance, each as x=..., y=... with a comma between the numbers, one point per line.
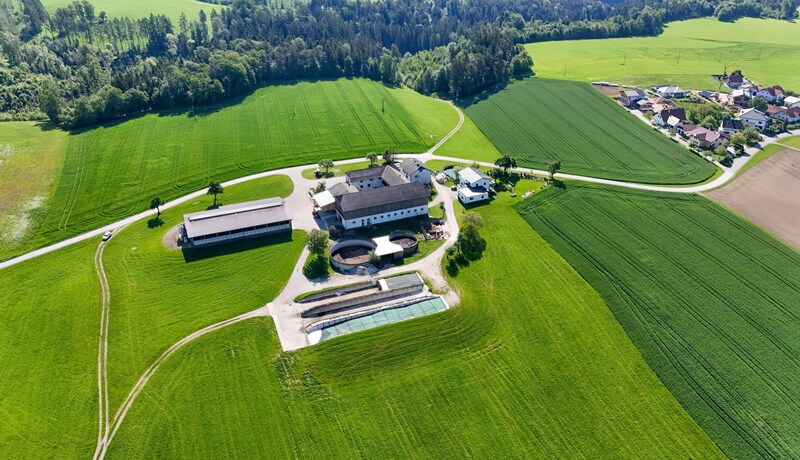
x=80, y=67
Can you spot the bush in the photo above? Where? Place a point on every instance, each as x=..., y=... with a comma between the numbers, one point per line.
x=316, y=267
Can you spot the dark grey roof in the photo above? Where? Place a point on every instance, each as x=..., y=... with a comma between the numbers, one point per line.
x=633, y=93
x=341, y=189
x=235, y=216
x=411, y=165
x=366, y=173
x=392, y=176
x=678, y=113
x=732, y=124
x=381, y=200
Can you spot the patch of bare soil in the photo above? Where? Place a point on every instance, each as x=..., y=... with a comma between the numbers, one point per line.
x=768, y=194
x=170, y=239
x=607, y=90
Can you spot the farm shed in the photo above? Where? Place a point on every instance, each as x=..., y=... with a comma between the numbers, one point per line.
x=383, y=204
x=235, y=222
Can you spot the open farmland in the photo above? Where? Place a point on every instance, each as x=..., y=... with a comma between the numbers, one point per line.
x=532, y=363
x=31, y=159
x=48, y=348
x=767, y=195
x=113, y=171
x=143, y=8
x=711, y=301
x=52, y=304
x=160, y=295
x=538, y=121
x=767, y=50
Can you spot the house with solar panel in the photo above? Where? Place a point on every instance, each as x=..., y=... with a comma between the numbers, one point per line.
x=235, y=222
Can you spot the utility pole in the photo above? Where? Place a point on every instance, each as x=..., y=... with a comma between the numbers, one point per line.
x=624, y=59
x=565, y=69
x=383, y=105
x=679, y=57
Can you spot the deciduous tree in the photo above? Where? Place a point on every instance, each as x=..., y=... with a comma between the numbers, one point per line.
x=215, y=188
x=156, y=204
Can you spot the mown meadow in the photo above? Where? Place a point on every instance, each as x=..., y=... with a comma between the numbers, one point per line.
x=531, y=363
x=710, y=300
x=538, y=121
x=114, y=170
x=143, y=8
x=159, y=295
x=686, y=54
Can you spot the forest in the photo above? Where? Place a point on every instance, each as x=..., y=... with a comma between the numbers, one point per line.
x=78, y=67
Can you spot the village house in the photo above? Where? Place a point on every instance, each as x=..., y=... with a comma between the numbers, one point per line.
x=777, y=112
x=770, y=93
x=474, y=185
x=645, y=105
x=707, y=139
x=730, y=127
x=734, y=80
x=791, y=101
x=754, y=117
x=630, y=97
x=740, y=97
x=671, y=92
x=669, y=117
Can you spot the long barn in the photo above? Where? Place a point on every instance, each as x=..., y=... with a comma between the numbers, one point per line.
x=233, y=222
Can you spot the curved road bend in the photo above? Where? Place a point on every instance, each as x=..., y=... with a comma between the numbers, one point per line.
x=294, y=174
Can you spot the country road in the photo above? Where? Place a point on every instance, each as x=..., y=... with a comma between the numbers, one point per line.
x=294, y=173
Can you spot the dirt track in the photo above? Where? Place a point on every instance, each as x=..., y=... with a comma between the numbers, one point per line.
x=767, y=195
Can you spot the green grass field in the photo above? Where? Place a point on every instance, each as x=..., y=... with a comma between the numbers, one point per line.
x=31, y=159
x=531, y=364
x=538, y=121
x=793, y=141
x=711, y=301
x=160, y=295
x=113, y=171
x=51, y=308
x=766, y=50
x=143, y=8
x=48, y=345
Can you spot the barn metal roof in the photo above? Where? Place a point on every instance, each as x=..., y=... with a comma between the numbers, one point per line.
x=235, y=216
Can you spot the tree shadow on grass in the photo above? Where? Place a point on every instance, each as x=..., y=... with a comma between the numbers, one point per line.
x=196, y=254
x=155, y=222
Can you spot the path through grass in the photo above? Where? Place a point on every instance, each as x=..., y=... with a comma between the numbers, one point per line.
x=532, y=363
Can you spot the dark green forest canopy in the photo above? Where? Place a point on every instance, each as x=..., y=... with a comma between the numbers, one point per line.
x=77, y=66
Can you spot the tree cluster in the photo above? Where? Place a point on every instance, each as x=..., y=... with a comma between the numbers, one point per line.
x=77, y=66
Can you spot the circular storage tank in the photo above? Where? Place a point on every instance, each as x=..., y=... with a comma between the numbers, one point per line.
x=407, y=240
x=347, y=255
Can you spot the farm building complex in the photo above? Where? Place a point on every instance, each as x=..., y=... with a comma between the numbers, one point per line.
x=235, y=222
x=474, y=185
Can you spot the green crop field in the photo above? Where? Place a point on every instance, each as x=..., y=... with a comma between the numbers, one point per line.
x=48, y=347
x=31, y=159
x=113, y=171
x=711, y=301
x=686, y=54
x=532, y=363
x=143, y=8
x=52, y=304
x=538, y=121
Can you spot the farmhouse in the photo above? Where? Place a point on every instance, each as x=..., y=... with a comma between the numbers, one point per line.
x=645, y=105
x=415, y=171
x=235, y=222
x=754, y=117
x=707, y=139
x=669, y=117
x=368, y=178
x=382, y=204
x=474, y=185
x=730, y=127
x=631, y=97
x=671, y=92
